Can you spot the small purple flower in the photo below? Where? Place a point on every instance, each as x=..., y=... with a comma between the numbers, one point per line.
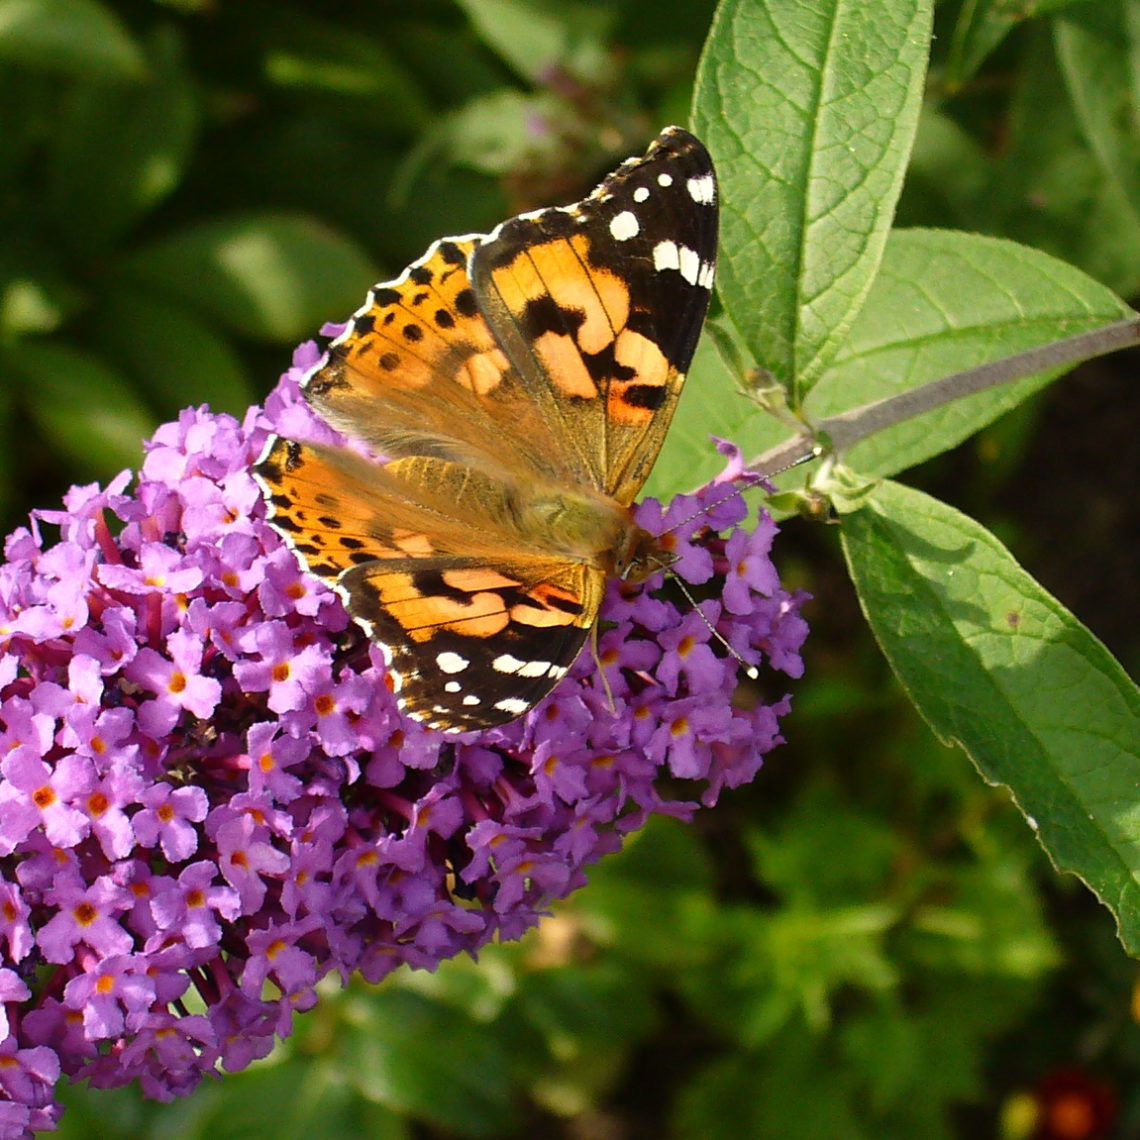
x=85, y=915
x=166, y=818
x=193, y=905
x=114, y=998
x=750, y=570
x=34, y=794
x=207, y=794
x=175, y=678
x=689, y=656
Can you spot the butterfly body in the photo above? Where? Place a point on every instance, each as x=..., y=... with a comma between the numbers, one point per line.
x=519, y=386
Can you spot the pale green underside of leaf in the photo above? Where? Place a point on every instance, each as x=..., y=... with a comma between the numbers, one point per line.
x=943, y=301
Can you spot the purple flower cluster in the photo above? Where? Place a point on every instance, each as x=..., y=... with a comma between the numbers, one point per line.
x=208, y=800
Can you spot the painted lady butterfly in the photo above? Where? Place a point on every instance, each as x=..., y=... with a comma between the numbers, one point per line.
x=520, y=385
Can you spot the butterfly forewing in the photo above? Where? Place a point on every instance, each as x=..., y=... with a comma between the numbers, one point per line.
x=521, y=385
x=600, y=305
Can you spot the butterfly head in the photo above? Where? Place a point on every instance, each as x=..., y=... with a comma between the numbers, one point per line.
x=638, y=555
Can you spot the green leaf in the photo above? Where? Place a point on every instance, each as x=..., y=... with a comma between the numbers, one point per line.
x=538, y=38
x=793, y=1091
x=824, y=852
x=1049, y=191
x=651, y=902
x=1097, y=49
x=270, y=277
x=118, y=151
x=991, y=926
x=85, y=409
x=995, y=664
x=362, y=76
x=302, y=1098
x=981, y=27
x=946, y=301
x=177, y=358
x=78, y=38
x=428, y=1060
x=799, y=959
x=809, y=112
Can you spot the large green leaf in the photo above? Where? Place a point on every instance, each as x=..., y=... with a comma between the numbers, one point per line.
x=83, y=407
x=998, y=666
x=75, y=37
x=269, y=276
x=809, y=111
x=119, y=150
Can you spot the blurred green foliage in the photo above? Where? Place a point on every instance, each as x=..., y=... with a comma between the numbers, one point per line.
x=867, y=942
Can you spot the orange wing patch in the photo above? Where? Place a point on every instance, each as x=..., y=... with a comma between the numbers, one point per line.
x=416, y=329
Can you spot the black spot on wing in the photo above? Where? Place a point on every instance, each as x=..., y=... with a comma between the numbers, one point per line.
x=465, y=303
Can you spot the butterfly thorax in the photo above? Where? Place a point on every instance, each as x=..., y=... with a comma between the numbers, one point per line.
x=594, y=529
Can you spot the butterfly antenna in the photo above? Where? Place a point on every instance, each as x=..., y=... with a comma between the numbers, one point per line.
x=601, y=668
x=750, y=671
x=740, y=485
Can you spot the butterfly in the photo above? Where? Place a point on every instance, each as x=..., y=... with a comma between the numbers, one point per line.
x=516, y=389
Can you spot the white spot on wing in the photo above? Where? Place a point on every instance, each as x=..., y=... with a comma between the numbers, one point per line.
x=452, y=662
x=624, y=226
x=512, y=705
x=641, y=194
x=471, y=700
x=453, y=687
x=690, y=264
x=664, y=179
x=666, y=256
x=506, y=663
x=702, y=189
x=535, y=669
x=687, y=262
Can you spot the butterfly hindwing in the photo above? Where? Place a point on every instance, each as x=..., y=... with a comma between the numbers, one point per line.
x=520, y=386
x=474, y=646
